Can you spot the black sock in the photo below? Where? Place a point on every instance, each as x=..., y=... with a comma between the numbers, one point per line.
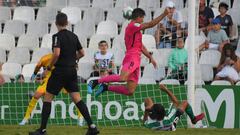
x=46, y=110
x=84, y=110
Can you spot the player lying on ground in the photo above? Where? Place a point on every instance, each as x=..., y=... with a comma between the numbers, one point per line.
x=156, y=117
x=41, y=90
x=131, y=63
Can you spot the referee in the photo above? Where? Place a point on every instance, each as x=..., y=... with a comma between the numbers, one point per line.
x=66, y=49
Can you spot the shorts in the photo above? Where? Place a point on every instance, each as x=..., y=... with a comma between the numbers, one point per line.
x=132, y=66
x=63, y=78
x=230, y=72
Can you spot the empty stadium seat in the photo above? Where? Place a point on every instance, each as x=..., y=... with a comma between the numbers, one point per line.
x=5, y=14
x=118, y=43
x=124, y=25
x=149, y=4
x=125, y=3
x=149, y=41
x=11, y=69
x=211, y=57
x=84, y=28
x=28, y=41
x=102, y=3
x=47, y=41
x=59, y=4
x=235, y=14
x=79, y=3
x=156, y=74
x=85, y=69
x=178, y=4
x=46, y=14
x=161, y=56
x=143, y=80
x=116, y=15
x=197, y=82
x=95, y=15
x=37, y=28
x=89, y=56
x=95, y=39
x=54, y=29
x=118, y=56
x=170, y=82
x=3, y=56
x=19, y=55
x=37, y=54
x=238, y=83
x=73, y=13
x=27, y=71
x=199, y=39
x=220, y=82
x=14, y=27
x=25, y=14
x=82, y=40
x=7, y=41
x=108, y=27
x=206, y=72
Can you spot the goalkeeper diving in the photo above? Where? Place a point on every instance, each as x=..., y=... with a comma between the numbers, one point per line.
x=156, y=117
x=41, y=90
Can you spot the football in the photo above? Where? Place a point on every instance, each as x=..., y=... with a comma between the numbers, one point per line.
x=127, y=13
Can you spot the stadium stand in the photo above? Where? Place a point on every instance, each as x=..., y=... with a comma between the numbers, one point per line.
x=107, y=28
x=37, y=28
x=11, y=69
x=39, y=53
x=211, y=57
x=46, y=14
x=170, y=81
x=7, y=41
x=115, y=14
x=14, y=27
x=27, y=71
x=79, y=3
x=5, y=14
x=59, y=4
x=74, y=14
x=95, y=39
x=104, y=4
x=220, y=82
x=3, y=56
x=84, y=28
x=47, y=41
x=28, y=41
x=24, y=13
x=15, y=53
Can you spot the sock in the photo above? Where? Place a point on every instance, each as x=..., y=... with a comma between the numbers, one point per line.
x=79, y=113
x=110, y=78
x=189, y=112
x=46, y=110
x=119, y=89
x=30, y=107
x=84, y=111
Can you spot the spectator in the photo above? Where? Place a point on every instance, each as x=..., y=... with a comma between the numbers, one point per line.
x=2, y=81
x=104, y=60
x=177, y=62
x=216, y=38
x=19, y=78
x=226, y=20
x=205, y=16
x=168, y=28
x=229, y=65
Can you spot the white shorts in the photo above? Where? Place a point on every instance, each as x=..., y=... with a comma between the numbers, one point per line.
x=213, y=46
x=230, y=72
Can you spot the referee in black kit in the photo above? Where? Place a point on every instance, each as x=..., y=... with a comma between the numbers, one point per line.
x=66, y=50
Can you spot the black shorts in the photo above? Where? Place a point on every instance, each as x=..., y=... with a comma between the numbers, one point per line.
x=63, y=78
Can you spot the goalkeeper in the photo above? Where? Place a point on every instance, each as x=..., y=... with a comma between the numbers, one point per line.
x=41, y=90
x=155, y=116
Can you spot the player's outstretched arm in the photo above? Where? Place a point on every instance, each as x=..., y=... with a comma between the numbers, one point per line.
x=170, y=94
x=149, y=56
x=155, y=21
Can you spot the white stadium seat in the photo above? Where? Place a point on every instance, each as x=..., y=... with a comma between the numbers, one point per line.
x=149, y=41
x=25, y=14
x=143, y=80
x=102, y=3
x=211, y=57
x=95, y=39
x=82, y=40
x=95, y=15
x=108, y=27
x=7, y=41
x=46, y=14
x=37, y=28
x=3, y=56
x=27, y=71
x=54, y=29
x=161, y=56
x=84, y=28
x=156, y=74
x=47, y=41
x=28, y=41
x=124, y=25
x=19, y=55
x=149, y=4
x=37, y=54
x=14, y=27
x=125, y=3
x=116, y=15
x=11, y=69
x=89, y=56
x=85, y=69
x=79, y=3
x=73, y=13
x=220, y=82
x=118, y=43
x=118, y=56
x=59, y=4
x=5, y=14
x=170, y=82
x=206, y=72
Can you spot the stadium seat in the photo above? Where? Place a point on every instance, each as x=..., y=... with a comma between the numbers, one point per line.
x=19, y=55
x=23, y=13
x=28, y=41
x=149, y=41
x=37, y=28
x=59, y=4
x=108, y=27
x=84, y=28
x=14, y=27
x=197, y=82
x=27, y=71
x=124, y=25
x=236, y=4
x=95, y=39
x=156, y=74
x=118, y=43
x=215, y=11
x=206, y=72
x=235, y=32
x=79, y=3
x=3, y=56
x=235, y=14
x=143, y=80
x=161, y=56
x=149, y=4
x=47, y=41
x=158, y=12
x=85, y=69
x=95, y=15
x=89, y=56
x=148, y=16
x=6, y=78
x=46, y=14
x=118, y=56
x=5, y=14
x=37, y=54
x=170, y=82
x=238, y=83
x=83, y=40
x=7, y=41
x=116, y=15
x=102, y=4
x=178, y=4
x=54, y=29
x=144, y=60
x=221, y=82
x=125, y=3
x=11, y=69
x=211, y=57
x=199, y=39
x=73, y=13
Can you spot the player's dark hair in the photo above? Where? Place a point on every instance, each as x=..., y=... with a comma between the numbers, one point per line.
x=157, y=112
x=138, y=12
x=61, y=19
x=102, y=41
x=224, y=5
x=233, y=56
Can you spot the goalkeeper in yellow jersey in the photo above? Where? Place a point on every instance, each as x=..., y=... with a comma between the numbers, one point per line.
x=41, y=90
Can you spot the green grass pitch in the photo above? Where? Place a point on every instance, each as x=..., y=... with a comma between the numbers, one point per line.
x=74, y=130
